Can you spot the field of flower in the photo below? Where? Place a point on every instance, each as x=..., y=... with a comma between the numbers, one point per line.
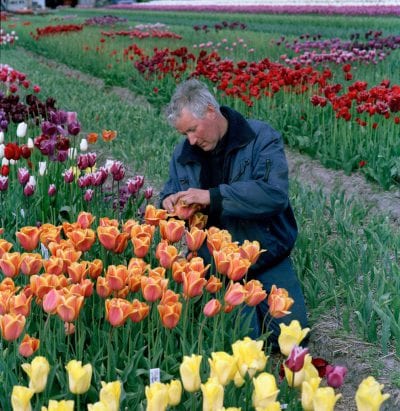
x=97, y=298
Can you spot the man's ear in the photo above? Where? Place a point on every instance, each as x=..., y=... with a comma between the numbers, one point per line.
x=211, y=112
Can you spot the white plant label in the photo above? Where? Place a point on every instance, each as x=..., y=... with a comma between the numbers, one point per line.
x=154, y=375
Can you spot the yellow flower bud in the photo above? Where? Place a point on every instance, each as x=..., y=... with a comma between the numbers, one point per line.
x=79, y=376
x=274, y=406
x=249, y=356
x=223, y=367
x=63, y=405
x=157, y=397
x=174, y=392
x=21, y=398
x=325, y=399
x=38, y=371
x=265, y=390
x=97, y=406
x=369, y=395
x=190, y=372
x=110, y=395
x=290, y=336
x=308, y=389
x=213, y=395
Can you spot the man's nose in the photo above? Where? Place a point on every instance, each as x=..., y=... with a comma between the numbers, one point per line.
x=192, y=139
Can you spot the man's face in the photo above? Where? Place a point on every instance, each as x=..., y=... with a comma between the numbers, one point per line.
x=202, y=132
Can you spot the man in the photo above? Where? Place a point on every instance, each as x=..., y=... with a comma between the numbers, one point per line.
x=237, y=171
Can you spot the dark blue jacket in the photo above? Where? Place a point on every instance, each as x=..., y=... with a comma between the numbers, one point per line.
x=254, y=204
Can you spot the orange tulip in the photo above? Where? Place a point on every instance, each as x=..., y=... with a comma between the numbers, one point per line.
x=153, y=215
x=20, y=304
x=7, y=284
x=82, y=238
x=142, y=229
x=141, y=245
x=167, y=256
x=108, y=135
x=108, y=222
x=235, y=294
x=238, y=267
x=133, y=281
x=42, y=284
x=54, y=247
x=157, y=272
x=169, y=297
x=31, y=263
x=195, y=238
x=51, y=300
x=28, y=237
x=68, y=227
x=92, y=138
x=117, y=276
x=127, y=227
x=197, y=264
x=193, y=284
x=10, y=263
x=140, y=310
x=172, y=230
x=112, y=239
x=84, y=288
x=117, y=311
x=214, y=284
x=122, y=293
x=5, y=297
x=69, y=307
x=152, y=288
x=137, y=263
x=5, y=247
x=54, y=265
x=179, y=269
x=250, y=250
x=212, y=308
x=77, y=271
x=95, y=268
x=102, y=287
x=185, y=211
x=170, y=314
x=49, y=233
x=11, y=326
x=279, y=302
x=198, y=220
x=28, y=346
x=120, y=243
x=69, y=256
x=217, y=238
x=255, y=293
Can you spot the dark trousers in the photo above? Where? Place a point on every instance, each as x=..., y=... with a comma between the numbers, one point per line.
x=282, y=275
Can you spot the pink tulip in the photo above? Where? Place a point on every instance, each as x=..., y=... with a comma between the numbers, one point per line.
x=295, y=361
x=335, y=375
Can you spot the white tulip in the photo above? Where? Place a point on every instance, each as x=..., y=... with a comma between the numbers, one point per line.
x=12, y=162
x=2, y=146
x=72, y=153
x=30, y=143
x=1, y=137
x=32, y=181
x=84, y=145
x=4, y=162
x=42, y=167
x=21, y=129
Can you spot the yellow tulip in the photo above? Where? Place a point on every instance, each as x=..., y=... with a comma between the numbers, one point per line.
x=290, y=336
x=238, y=380
x=369, y=395
x=308, y=389
x=265, y=390
x=190, y=372
x=223, y=367
x=295, y=379
x=274, y=406
x=157, y=397
x=213, y=395
x=79, y=376
x=325, y=399
x=249, y=355
x=21, y=398
x=38, y=371
x=230, y=409
x=174, y=392
x=110, y=394
x=63, y=405
x=97, y=406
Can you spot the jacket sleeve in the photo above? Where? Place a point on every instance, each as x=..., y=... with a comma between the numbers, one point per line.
x=172, y=184
x=264, y=192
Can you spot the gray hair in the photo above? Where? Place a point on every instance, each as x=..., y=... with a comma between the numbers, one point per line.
x=194, y=96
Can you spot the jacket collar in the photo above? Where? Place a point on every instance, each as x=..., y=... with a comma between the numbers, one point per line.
x=239, y=134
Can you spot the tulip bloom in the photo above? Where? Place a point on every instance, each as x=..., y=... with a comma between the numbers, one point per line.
x=77, y=271
x=21, y=398
x=170, y=314
x=369, y=395
x=11, y=326
x=30, y=263
x=69, y=307
x=279, y=302
x=152, y=288
x=95, y=268
x=10, y=264
x=110, y=395
x=212, y=308
x=63, y=405
x=38, y=371
x=325, y=399
x=140, y=311
x=213, y=395
x=172, y=230
x=290, y=336
x=153, y=215
x=235, y=294
x=223, y=367
x=20, y=304
x=295, y=361
x=21, y=129
x=85, y=219
x=193, y=284
x=117, y=276
x=82, y=239
x=5, y=246
x=198, y=220
x=108, y=135
x=335, y=375
x=190, y=372
x=255, y=293
x=265, y=390
x=250, y=356
x=250, y=250
x=195, y=238
x=214, y=284
x=308, y=390
x=157, y=396
x=295, y=379
x=117, y=311
x=79, y=376
x=185, y=211
x=28, y=346
x=51, y=301
x=167, y=255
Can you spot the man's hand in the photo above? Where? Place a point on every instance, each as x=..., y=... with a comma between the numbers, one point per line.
x=188, y=197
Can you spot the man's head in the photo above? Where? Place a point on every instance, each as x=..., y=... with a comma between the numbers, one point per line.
x=195, y=113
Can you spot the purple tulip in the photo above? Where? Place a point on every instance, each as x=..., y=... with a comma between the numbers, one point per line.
x=52, y=190
x=74, y=128
x=132, y=186
x=91, y=158
x=82, y=161
x=3, y=183
x=23, y=175
x=295, y=361
x=148, y=193
x=117, y=170
x=88, y=195
x=68, y=176
x=335, y=375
